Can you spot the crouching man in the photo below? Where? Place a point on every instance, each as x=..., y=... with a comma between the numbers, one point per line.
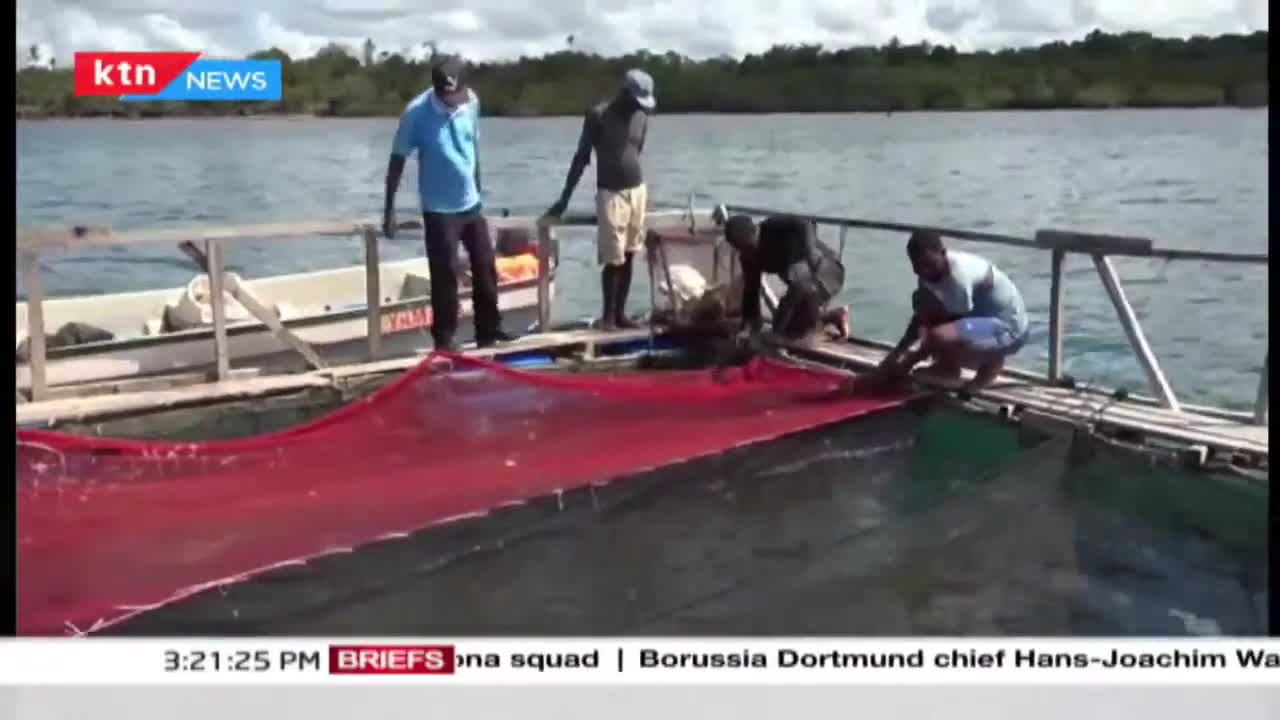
x=788, y=247
x=966, y=313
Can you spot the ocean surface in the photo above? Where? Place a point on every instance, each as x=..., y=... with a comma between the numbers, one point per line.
x=1188, y=179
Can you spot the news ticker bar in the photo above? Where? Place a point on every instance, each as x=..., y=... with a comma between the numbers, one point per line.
x=623, y=661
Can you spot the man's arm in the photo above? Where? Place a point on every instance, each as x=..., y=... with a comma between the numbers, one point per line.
x=909, y=338
x=581, y=159
x=751, y=279
x=476, y=99
x=395, y=168
x=401, y=148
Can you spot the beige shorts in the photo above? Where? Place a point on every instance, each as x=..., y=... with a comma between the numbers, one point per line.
x=620, y=223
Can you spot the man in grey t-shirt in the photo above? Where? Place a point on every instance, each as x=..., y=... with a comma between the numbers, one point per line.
x=615, y=130
x=965, y=313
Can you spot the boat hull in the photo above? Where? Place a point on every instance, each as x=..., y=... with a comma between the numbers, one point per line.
x=337, y=337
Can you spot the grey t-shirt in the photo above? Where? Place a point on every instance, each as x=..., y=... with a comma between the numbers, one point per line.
x=966, y=291
x=616, y=134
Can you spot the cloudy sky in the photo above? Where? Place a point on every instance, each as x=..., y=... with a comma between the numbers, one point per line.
x=487, y=29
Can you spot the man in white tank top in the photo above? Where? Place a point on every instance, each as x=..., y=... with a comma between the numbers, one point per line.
x=966, y=314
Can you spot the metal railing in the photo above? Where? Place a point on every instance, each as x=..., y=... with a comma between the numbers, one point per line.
x=205, y=245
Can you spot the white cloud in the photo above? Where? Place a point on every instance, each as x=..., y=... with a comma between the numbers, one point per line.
x=271, y=33
x=457, y=21
x=164, y=31
x=488, y=29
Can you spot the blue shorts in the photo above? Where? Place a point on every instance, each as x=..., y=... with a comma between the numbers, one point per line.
x=990, y=335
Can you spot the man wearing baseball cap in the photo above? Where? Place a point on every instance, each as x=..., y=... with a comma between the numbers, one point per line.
x=615, y=130
x=443, y=126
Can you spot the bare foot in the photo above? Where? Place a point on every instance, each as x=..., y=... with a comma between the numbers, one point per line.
x=836, y=324
x=842, y=322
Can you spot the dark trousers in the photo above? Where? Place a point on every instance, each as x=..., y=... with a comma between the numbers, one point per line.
x=443, y=233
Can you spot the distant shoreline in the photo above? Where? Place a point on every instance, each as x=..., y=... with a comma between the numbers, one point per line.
x=294, y=117
x=1098, y=71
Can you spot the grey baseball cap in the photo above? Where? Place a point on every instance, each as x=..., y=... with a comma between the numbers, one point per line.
x=639, y=85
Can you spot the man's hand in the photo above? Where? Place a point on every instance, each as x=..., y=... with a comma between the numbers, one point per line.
x=856, y=384
x=557, y=209
x=888, y=364
x=749, y=332
x=389, y=223
x=891, y=370
x=755, y=341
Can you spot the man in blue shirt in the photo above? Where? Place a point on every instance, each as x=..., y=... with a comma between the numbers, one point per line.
x=443, y=126
x=966, y=313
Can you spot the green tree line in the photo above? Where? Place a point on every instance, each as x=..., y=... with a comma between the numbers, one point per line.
x=1100, y=70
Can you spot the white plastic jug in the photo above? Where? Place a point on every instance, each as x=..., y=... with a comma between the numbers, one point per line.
x=193, y=309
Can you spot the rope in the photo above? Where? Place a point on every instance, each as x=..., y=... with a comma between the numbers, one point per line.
x=40, y=468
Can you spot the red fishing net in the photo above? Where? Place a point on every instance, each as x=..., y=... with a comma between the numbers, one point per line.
x=109, y=528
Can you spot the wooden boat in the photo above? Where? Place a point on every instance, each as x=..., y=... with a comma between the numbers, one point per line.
x=141, y=334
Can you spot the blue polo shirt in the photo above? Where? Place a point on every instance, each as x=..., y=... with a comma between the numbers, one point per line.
x=445, y=139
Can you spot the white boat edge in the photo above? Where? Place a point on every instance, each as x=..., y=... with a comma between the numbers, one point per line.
x=297, y=297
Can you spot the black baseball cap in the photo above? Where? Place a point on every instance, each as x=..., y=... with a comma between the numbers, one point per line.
x=447, y=77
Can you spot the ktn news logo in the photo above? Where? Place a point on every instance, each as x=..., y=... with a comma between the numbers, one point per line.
x=136, y=76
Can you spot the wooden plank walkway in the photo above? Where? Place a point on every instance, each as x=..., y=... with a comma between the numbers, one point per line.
x=85, y=409
x=1088, y=406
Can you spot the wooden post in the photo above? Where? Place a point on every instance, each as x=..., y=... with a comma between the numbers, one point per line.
x=36, y=358
x=650, y=262
x=217, y=301
x=672, y=296
x=844, y=234
x=543, y=233
x=1262, y=403
x=271, y=320
x=1056, y=324
x=264, y=314
x=373, y=292
x=1132, y=328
